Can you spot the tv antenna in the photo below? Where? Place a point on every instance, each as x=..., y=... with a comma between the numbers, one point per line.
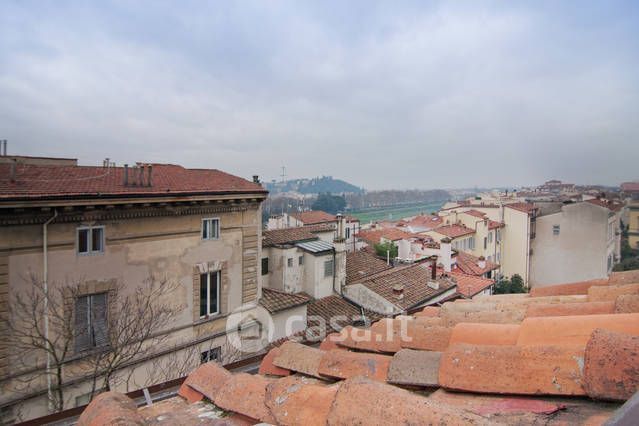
x=283, y=175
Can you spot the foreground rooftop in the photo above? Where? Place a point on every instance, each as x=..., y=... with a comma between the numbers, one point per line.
x=567, y=356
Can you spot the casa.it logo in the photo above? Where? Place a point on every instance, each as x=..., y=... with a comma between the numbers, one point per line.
x=249, y=328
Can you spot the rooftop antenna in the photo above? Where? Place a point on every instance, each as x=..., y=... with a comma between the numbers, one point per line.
x=283, y=176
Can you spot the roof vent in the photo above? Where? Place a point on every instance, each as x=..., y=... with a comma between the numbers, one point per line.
x=398, y=291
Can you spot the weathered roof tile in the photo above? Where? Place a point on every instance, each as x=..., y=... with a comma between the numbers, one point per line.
x=414, y=368
x=298, y=400
x=268, y=368
x=344, y=365
x=611, y=366
x=297, y=357
x=550, y=370
x=245, y=394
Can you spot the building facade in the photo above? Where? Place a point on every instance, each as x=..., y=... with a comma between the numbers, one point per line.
x=100, y=230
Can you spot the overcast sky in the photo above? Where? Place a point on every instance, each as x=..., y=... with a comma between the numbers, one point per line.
x=384, y=95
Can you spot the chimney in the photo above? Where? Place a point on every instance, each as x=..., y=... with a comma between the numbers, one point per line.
x=481, y=262
x=433, y=268
x=141, y=175
x=149, y=179
x=126, y=175
x=340, y=228
x=3, y=147
x=446, y=253
x=256, y=179
x=14, y=165
x=398, y=291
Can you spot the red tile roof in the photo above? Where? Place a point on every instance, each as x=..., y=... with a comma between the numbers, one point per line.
x=468, y=264
x=494, y=225
x=522, y=207
x=454, y=231
x=413, y=279
x=475, y=213
x=362, y=263
x=312, y=217
x=392, y=234
x=569, y=356
x=292, y=235
x=429, y=221
x=276, y=300
x=630, y=187
x=340, y=310
x=615, y=207
x=34, y=182
x=470, y=285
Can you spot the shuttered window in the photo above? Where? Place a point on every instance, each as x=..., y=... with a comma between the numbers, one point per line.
x=209, y=293
x=328, y=268
x=91, y=321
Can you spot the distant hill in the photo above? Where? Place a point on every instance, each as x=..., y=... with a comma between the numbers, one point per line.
x=314, y=186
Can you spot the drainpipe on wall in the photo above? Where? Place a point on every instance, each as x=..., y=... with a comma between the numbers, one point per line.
x=45, y=277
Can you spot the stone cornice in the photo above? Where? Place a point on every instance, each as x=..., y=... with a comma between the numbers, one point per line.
x=105, y=213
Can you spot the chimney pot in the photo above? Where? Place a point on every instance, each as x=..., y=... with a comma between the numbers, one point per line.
x=256, y=179
x=126, y=175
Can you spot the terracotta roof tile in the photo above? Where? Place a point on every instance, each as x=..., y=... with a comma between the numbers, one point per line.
x=293, y=235
x=580, y=287
x=454, y=231
x=267, y=368
x=566, y=309
x=549, y=370
x=339, y=364
x=485, y=334
x=54, y=182
x=522, y=207
x=475, y=213
x=573, y=330
x=630, y=187
x=111, y=408
x=615, y=207
x=300, y=400
x=428, y=311
x=624, y=277
x=297, y=357
x=275, y=300
x=470, y=285
x=414, y=368
x=627, y=304
x=362, y=263
x=246, y=394
x=208, y=379
x=334, y=311
x=313, y=217
x=392, y=234
x=611, y=366
x=370, y=340
x=426, y=338
x=363, y=401
x=603, y=293
x=469, y=264
x=414, y=279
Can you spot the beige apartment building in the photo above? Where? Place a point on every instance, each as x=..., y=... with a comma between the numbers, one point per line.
x=574, y=242
x=105, y=232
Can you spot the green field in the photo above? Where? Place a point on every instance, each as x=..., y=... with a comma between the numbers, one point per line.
x=394, y=212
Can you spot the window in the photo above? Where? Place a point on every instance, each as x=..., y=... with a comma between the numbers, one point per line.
x=490, y=237
x=211, y=355
x=91, y=321
x=347, y=232
x=555, y=229
x=264, y=265
x=209, y=293
x=328, y=268
x=289, y=262
x=471, y=243
x=210, y=229
x=300, y=260
x=498, y=235
x=91, y=240
x=485, y=243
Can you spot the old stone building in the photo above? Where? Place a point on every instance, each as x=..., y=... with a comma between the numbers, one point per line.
x=106, y=231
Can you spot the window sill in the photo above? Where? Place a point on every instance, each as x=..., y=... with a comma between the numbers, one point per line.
x=209, y=318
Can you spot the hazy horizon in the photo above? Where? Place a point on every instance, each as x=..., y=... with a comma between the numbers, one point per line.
x=383, y=95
